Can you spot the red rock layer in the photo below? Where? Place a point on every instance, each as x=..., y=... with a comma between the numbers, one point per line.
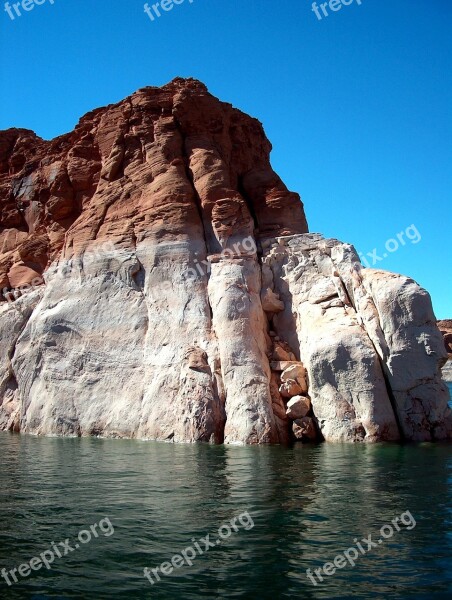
x=163, y=163
x=445, y=327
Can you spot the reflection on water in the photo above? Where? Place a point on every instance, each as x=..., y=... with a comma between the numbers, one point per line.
x=308, y=504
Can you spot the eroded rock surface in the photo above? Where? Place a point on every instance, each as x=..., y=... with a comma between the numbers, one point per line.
x=368, y=339
x=445, y=327
x=158, y=281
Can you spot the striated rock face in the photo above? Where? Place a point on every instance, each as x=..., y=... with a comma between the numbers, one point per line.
x=158, y=281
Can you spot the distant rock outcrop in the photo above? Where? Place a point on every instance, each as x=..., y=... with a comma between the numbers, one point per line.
x=445, y=327
x=158, y=281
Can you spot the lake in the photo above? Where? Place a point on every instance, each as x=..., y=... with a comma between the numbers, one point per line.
x=274, y=511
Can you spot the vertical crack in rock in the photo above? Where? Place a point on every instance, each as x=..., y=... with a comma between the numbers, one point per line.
x=13, y=321
x=377, y=341
x=216, y=372
x=190, y=177
x=399, y=319
x=234, y=283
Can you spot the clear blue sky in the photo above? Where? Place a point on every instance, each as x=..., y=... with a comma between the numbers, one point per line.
x=357, y=105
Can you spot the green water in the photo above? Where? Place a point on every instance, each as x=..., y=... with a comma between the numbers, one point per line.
x=307, y=504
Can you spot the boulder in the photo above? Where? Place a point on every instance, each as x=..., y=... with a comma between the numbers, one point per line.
x=304, y=429
x=282, y=352
x=296, y=372
x=298, y=407
x=270, y=301
x=197, y=360
x=290, y=388
x=283, y=365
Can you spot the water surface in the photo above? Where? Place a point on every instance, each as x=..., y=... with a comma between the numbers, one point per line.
x=307, y=503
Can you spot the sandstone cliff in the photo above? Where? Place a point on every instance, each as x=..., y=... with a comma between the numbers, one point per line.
x=158, y=281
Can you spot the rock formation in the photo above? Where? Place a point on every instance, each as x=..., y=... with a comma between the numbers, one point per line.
x=158, y=281
x=445, y=328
